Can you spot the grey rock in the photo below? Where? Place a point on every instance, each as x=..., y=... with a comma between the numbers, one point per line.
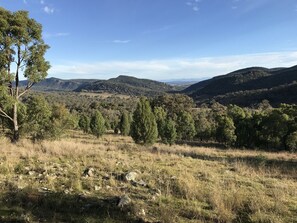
x=131, y=176
x=142, y=183
x=124, y=201
x=89, y=172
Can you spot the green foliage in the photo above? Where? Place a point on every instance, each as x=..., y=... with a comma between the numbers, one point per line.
x=291, y=142
x=47, y=122
x=274, y=129
x=169, y=134
x=160, y=116
x=185, y=126
x=61, y=120
x=205, y=125
x=125, y=124
x=22, y=51
x=226, y=130
x=97, y=124
x=144, y=127
x=38, y=122
x=173, y=104
x=84, y=123
x=241, y=119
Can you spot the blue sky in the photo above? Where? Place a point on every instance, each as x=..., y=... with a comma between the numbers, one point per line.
x=163, y=39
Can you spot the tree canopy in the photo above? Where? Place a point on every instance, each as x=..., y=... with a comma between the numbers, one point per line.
x=22, y=51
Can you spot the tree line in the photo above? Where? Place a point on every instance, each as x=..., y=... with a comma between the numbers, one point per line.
x=174, y=118
x=167, y=119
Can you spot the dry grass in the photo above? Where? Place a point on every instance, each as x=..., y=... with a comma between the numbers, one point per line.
x=104, y=95
x=184, y=184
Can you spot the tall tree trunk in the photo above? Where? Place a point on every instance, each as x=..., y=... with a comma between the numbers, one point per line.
x=15, y=136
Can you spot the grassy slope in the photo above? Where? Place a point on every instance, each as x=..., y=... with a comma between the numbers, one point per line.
x=44, y=183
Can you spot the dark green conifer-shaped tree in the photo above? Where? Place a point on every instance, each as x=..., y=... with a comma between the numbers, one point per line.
x=84, y=123
x=185, y=126
x=160, y=116
x=97, y=124
x=169, y=132
x=125, y=124
x=144, y=127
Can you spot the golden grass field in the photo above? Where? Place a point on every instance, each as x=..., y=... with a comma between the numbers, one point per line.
x=44, y=182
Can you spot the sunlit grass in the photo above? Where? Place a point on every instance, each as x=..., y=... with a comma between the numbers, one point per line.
x=184, y=184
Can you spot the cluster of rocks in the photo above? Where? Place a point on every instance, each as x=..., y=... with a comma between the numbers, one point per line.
x=133, y=178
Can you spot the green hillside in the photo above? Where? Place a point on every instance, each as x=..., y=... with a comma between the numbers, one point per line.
x=248, y=86
x=127, y=85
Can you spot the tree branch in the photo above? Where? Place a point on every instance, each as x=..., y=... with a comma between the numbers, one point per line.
x=29, y=86
x=4, y=114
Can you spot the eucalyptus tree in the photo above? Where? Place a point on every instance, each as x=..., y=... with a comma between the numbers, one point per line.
x=22, y=51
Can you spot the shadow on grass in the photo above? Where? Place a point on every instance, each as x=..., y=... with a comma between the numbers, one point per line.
x=287, y=168
x=29, y=205
x=259, y=161
x=203, y=144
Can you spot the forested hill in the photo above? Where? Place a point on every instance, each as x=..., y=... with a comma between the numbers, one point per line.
x=56, y=84
x=122, y=85
x=127, y=85
x=248, y=86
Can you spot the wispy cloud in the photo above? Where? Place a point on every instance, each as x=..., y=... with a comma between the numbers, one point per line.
x=42, y=2
x=194, y=4
x=48, y=9
x=51, y=35
x=173, y=68
x=118, y=41
x=25, y=2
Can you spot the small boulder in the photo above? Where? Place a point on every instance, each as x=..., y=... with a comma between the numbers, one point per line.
x=131, y=176
x=89, y=172
x=124, y=201
x=142, y=183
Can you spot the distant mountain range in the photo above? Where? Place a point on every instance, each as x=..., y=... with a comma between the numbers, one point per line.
x=248, y=86
x=127, y=85
x=121, y=85
x=186, y=82
x=243, y=87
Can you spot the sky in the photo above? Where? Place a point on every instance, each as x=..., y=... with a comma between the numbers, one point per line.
x=163, y=39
